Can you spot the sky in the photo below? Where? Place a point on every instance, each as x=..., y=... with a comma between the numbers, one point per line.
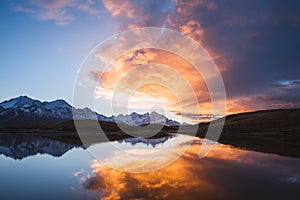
x=255, y=45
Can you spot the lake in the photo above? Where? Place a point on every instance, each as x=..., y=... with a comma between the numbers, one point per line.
x=34, y=167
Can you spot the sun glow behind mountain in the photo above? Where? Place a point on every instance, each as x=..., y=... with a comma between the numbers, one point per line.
x=135, y=66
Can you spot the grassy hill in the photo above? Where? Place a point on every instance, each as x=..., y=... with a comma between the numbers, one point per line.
x=269, y=131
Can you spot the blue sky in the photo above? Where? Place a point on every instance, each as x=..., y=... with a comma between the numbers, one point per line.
x=40, y=58
x=255, y=44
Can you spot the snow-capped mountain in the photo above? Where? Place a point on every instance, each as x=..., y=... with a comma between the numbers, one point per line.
x=136, y=119
x=24, y=111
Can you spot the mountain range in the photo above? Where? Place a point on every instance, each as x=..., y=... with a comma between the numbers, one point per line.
x=25, y=111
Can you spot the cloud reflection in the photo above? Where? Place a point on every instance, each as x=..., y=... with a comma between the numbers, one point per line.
x=226, y=173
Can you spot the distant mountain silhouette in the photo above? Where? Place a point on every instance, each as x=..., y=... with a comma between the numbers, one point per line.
x=24, y=111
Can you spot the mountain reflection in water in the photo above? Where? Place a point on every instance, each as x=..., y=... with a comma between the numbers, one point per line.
x=148, y=141
x=226, y=173
x=19, y=146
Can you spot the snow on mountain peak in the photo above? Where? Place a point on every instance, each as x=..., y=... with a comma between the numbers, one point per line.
x=157, y=118
x=85, y=113
x=23, y=109
x=21, y=101
x=136, y=119
x=56, y=104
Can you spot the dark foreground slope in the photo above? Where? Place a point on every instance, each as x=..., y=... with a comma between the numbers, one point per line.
x=269, y=131
x=90, y=131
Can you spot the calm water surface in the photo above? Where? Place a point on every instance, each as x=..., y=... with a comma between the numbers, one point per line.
x=39, y=168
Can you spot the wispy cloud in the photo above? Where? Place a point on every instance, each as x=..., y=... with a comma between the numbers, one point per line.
x=283, y=93
x=53, y=4
x=287, y=83
x=254, y=44
x=130, y=14
x=195, y=118
x=122, y=8
x=23, y=9
x=60, y=12
x=90, y=7
x=60, y=17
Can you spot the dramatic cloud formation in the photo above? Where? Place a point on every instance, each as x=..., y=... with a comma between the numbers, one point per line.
x=254, y=44
x=173, y=86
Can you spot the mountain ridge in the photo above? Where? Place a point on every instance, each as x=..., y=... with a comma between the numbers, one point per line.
x=23, y=110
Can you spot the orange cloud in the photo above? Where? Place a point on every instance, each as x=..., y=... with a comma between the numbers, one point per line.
x=193, y=29
x=174, y=86
x=121, y=8
x=179, y=16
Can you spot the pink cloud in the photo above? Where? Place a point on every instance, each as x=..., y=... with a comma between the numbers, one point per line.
x=60, y=17
x=53, y=4
x=122, y=8
x=58, y=11
x=89, y=9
